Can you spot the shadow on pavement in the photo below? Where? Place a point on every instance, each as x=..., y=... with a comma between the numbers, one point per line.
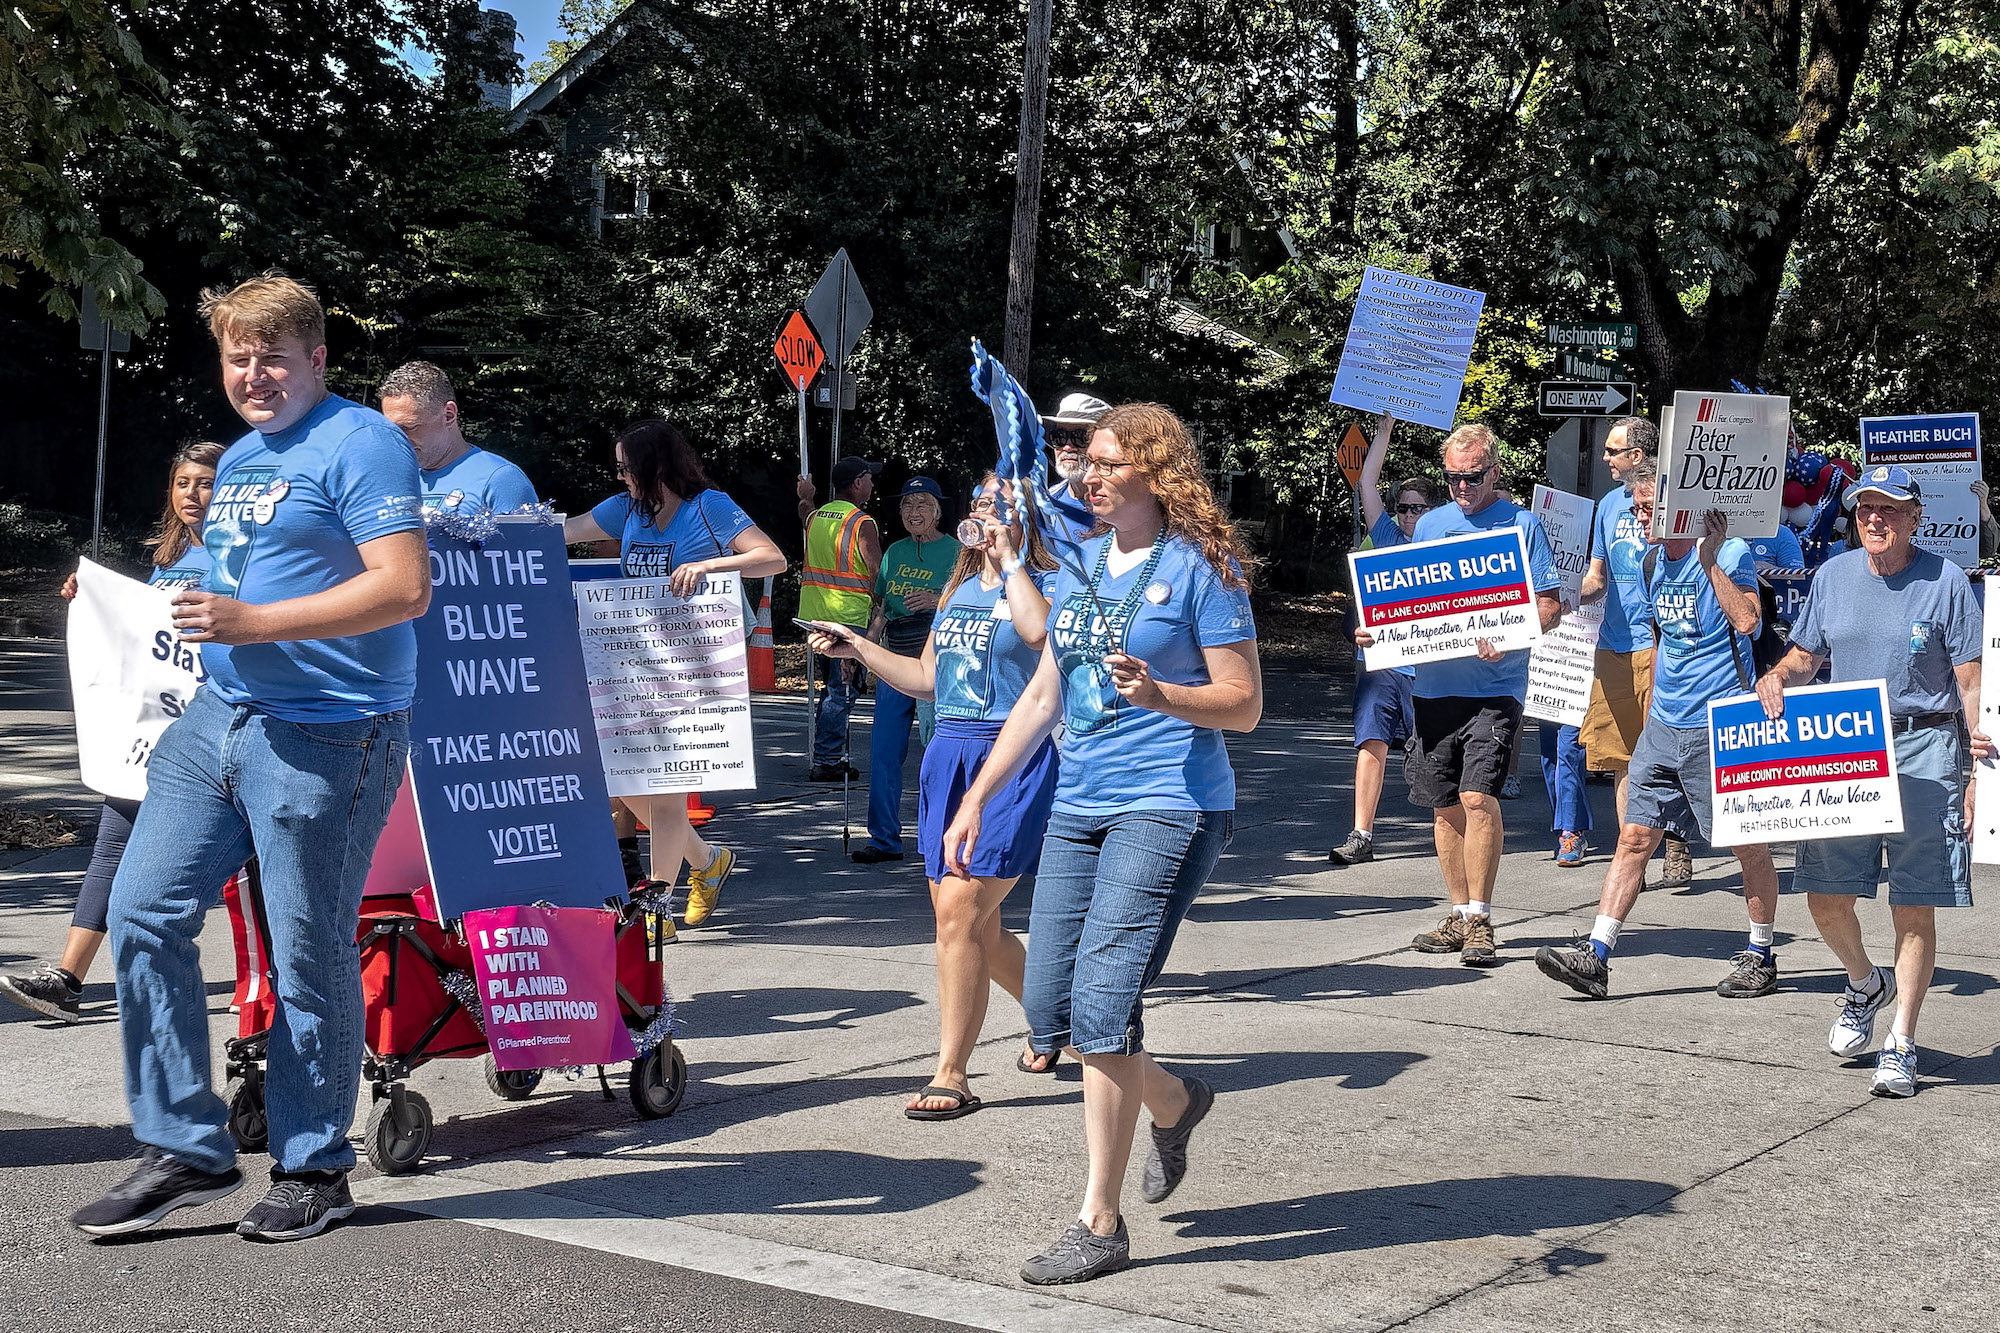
x=749, y=1013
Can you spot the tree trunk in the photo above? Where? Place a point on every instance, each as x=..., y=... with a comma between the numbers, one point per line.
x=1346, y=114
x=1028, y=190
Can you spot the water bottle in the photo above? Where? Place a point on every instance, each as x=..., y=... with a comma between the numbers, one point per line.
x=972, y=533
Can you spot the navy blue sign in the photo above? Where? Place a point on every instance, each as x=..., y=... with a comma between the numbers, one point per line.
x=509, y=783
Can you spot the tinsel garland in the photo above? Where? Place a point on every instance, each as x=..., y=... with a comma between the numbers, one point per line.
x=461, y=987
x=470, y=521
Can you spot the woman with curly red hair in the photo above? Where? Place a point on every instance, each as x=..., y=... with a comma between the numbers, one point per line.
x=1150, y=658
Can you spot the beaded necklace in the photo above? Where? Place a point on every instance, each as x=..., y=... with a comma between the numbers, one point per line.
x=1112, y=641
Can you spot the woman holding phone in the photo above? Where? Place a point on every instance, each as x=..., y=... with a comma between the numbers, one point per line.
x=179, y=561
x=983, y=646
x=672, y=524
x=1149, y=660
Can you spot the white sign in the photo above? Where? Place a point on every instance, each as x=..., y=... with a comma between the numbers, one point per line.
x=1564, y=661
x=1824, y=768
x=1724, y=451
x=1432, y=601
x=1942, y=453
x=669, y=684
x=1986, y=772
x=129, y=675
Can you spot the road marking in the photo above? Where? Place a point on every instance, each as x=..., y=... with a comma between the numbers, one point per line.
x=461, y=1196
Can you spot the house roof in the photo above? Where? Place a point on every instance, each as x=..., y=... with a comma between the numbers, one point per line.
x=554, y=86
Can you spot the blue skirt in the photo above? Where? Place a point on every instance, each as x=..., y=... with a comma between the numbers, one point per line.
x=1011, y=826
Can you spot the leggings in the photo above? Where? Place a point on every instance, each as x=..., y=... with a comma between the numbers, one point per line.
x=114, y=826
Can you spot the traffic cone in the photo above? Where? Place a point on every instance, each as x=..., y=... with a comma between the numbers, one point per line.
x=699, y=813
x=763, y=651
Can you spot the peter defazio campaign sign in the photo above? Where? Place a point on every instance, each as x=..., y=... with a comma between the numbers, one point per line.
x=1826, y=768
x=1436, y=600
x=1724, y=451
x=1942, y=453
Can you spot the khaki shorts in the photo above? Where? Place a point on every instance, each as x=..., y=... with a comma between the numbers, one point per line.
x=1619, y=698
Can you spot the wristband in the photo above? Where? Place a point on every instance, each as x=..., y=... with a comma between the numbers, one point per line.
x=1010, y=567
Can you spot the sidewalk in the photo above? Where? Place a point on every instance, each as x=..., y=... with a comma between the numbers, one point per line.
x=1398, y=1141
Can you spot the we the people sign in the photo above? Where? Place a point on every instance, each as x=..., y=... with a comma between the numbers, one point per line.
x=1723, y=451
x=1826, y=768
x=1436, y=600
x=1407, y=347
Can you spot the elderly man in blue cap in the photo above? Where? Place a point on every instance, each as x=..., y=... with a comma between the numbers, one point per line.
x=1890, y=611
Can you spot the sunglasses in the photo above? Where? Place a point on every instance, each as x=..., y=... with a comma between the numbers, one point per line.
x=1465, y=478
x=1413, y=509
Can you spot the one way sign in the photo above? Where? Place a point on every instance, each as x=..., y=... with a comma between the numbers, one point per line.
x=1569, y=398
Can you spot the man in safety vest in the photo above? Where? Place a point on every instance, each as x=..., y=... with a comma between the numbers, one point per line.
x=843, y=551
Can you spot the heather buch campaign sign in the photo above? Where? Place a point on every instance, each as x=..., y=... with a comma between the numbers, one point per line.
x=669, y=684
x=130, y=675
x=1825, y=769
x=1436, y=600
x=1563, y=662
x=509, y=789
x=1723, y=451
x=548, y=986
x=1407, y=347
x=1942, y=453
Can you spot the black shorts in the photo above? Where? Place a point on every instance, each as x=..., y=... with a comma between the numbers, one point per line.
x=1462, y=745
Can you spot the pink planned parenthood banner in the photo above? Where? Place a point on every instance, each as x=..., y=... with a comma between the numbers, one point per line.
x=548, y=986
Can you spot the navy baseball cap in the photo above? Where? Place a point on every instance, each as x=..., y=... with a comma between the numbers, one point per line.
x=923, y=486
x=850, y=470
x=1884, y=479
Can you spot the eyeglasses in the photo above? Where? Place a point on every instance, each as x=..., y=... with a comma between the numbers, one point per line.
x=1104, y=467
x=621, y=470
x=1642, y=509
x=1465, y=478
x=1413, y=509
x=982, y=504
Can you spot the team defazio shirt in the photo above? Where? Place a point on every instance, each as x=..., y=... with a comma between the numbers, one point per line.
x=289, y=512
x=982, y=665
x=700, y=529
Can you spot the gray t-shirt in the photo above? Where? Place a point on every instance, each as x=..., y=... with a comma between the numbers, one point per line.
x=1909, y=630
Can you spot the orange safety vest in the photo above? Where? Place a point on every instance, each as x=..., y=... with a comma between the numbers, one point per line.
x=836, y=585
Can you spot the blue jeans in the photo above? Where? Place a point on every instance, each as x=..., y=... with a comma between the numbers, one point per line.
x=1109, y=897
x=836, y=701
x=1563, y=774
x=311, y=798
x=888, y=746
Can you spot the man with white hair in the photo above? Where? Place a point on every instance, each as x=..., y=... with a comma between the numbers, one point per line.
x=1067, y=430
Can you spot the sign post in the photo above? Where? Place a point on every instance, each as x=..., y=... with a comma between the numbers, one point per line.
x=95, y=334
x=839, y=307
x=800, y=357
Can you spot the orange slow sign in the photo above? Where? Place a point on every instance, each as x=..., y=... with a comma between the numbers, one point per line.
x=1353, y=449
x=799, y=352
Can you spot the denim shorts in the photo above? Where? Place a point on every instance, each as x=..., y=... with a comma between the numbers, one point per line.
x=1109, y=897
x=1930, y=861
x=1670, y=780
x=1382, y=708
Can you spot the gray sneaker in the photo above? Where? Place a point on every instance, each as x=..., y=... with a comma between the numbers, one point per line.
x=1167, y=1163
x=1577, y=967
x=1755, y=975
x=49, y=991
x=298, y=1206
x=1358, y=848
x=1078, y=1255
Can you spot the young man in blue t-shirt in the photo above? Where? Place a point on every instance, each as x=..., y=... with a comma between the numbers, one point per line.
x=292, y=752
x=1894, y=612
x=1468, y=709
x=458, y=476
x=1701, y=596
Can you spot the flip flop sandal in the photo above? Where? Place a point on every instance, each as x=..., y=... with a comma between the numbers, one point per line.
x=1055, y=1057
x=966, y=1104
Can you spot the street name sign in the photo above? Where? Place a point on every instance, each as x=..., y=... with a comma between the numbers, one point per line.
x=1570, y=398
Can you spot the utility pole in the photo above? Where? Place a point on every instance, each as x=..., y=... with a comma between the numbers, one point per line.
x=1028, y=190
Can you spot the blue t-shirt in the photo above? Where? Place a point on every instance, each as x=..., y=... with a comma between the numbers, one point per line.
x=1618, y=538
x=1117, y=757
x=1694, y=663
x=1909, y=630
x=1468, y=677
x=1385, y=533
x=289, y=511
x=982, y=665
x=1780, y=552
x=700, y=529
x=1072, y=519
x=481, y=478
x=190, y=571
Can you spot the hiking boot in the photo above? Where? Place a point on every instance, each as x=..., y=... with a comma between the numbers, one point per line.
x=868, y=854
x=840, y=772
x=1167, y=1163
x=1895, y=1069
x=1678, y=872
x=298, y=1206
x=1755, y=975
x=1569, y=852
x=49, y=991
x=1358, y=848
x=705, y=885
x=160, y=1185
x=1510, y=790
x=1854, y=1030
x=1449, y=937
x=1480, y=946
x=1577, y=967
x=1079, y=1255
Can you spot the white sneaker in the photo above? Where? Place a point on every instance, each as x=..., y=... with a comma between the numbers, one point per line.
x=1854, y=1031
x=1895, y=1069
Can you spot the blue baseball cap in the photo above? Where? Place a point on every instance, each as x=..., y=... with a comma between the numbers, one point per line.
x=922, y=486
x=1884, y=479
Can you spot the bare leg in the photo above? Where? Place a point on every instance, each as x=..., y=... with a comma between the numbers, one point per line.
x=674, y=839
x=1916, y=960
x=624, y=823
x=1760, y=884
x=1628, y=870
x=1483, y=836
x=1618, y=784
x=964, y=909
x=1840, y=927
x=1114, y=1086
x=79, y=950
x=1448, y=829
x=1370, y=763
